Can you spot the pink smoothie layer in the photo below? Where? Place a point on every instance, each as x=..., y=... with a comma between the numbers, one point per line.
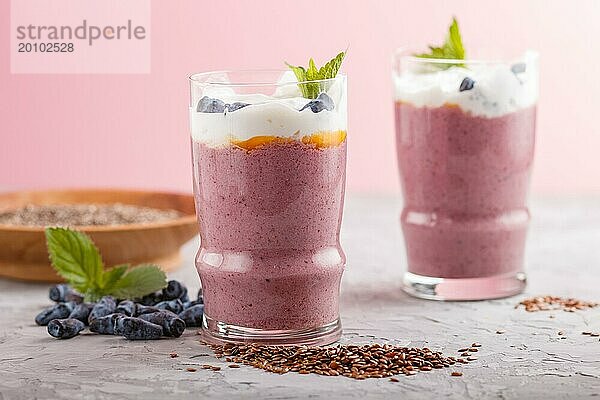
x=269, y=221
x=464, y=180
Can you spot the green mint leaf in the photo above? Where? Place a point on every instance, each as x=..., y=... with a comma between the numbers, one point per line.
x=306, y=77
x=75, y=257
x=330, y=70
x=112, y=276
x=454, y=42
x=109, y=280
x=300, y=72
x=452, y=49
x=139, y=281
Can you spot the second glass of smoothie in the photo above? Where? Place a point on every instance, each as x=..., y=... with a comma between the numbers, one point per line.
x=465, y=144
x=269, y=173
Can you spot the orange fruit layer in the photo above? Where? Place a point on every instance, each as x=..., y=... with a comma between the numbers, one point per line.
x=447, y=105
x=320, y=140
x=258, y=141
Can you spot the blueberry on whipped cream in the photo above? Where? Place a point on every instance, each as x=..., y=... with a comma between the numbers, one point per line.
x=235, y=106
x=466, y=84
x=322, y=102
x=518, y=68
x=210, y=105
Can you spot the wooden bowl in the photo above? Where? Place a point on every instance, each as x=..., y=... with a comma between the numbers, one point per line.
x=23, y=253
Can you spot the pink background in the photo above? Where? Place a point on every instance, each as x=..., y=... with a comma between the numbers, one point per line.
x=132, y=130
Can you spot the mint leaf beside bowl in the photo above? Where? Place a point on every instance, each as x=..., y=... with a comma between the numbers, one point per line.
x=75, y=258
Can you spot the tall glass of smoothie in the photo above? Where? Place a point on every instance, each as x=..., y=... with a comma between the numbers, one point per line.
x=269, y=169
x=465, y=134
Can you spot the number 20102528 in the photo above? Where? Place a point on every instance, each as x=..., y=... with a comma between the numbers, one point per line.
x=45, y=47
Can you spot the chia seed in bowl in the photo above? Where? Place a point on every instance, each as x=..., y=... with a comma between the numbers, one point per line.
x=85, y=215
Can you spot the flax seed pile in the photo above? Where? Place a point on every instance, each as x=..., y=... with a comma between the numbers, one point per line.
x=548, y=303
x=352, y=361
x=85, y=215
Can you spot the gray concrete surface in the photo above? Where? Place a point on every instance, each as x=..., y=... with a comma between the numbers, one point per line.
x=529, y=361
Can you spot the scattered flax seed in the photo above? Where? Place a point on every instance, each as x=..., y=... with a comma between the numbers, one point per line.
x=560, y=333
x=352, y=361
x=215, y=368
x=463, y=350
x=500, y=331
x=473, y=350
x=200, y=355
x=394, y=380
x=547, y=303
x=233, y=366
x=594, y=334
x=173, y=355
x=476, y=345
x=465, y=354
x=471, y=358
x=206, y=366
x=456, y=373
x=586, y=333
x=190, y=369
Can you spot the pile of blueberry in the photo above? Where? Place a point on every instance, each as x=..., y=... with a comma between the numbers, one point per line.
x=211, y=105
x=165, y=313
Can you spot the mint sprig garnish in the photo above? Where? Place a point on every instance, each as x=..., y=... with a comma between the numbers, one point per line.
x=305, y=76
x=75, y=257
x=452, y=49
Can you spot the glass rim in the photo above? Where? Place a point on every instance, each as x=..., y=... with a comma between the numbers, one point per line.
x=195, y=78
x=405, y=54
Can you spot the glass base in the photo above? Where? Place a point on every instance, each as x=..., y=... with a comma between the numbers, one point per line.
x=490, y=287
x=216, y=332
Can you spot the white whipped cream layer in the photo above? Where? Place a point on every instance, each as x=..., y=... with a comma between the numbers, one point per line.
x=497, y=90
x=276, y=115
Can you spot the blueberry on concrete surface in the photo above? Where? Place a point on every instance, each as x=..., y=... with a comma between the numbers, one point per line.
x=172, y=325
x=172, y=305
x=322, y=102
x=105, y=325
x=63, y=292
x=126, y=307
x=82, y=312
x=193, y=315
x=142, y=309
x=192, y=303
x=184, y=297
x=118, y=325
x=173, y=290
x=65, y=328
x=199, y=300
x=466, y=84
x=210, y=105
x=105, y=306
x=57, y=292
x=137, y=329
x=57, y=311
x=151, y=299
